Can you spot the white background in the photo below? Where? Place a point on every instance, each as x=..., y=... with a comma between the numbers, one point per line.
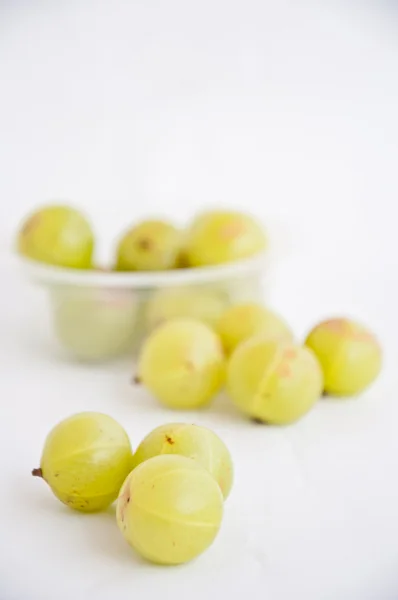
x=286, y=108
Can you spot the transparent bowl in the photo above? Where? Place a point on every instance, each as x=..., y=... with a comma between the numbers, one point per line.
x=100, y=315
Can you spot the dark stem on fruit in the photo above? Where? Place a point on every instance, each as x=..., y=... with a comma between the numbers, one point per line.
x=136, y=380
x=258, y=421
x=37, y=473
x=324, y=394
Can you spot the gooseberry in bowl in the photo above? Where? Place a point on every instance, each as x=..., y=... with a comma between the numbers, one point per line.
x=203, y=304
x=94, y=324
x=219, y=237
x=152, y=245
x=57, y=235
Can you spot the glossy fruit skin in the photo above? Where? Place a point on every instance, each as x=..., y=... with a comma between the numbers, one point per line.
x=274, y=382
x=149, y=246
x=242, y=321
x=57, y=235
x=182, y=363
x=94, y=324
x=204, y=305
x=350, y=355
x=169, y=509
x=85, y=460
x=221, y=237
x=192, y=441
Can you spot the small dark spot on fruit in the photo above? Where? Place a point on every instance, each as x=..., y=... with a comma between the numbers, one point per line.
x=258, y=421
x=56, y=474
x=128, y=499
x=124, y=526
x=81, y=505
x=136, y=380
x=174, y=543
x=145, y=244
x=169, y=440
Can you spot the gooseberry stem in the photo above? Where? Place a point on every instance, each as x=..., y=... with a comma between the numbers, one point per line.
x=37, y=473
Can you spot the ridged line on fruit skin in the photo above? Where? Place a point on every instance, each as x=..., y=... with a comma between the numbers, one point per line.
x=211, y=455
x=258, y=397
x=84, y=496
x=174, y=470
x=62, y=491
x=88, y=449
x=177, y=521
x=331, y=367
x=337, y=359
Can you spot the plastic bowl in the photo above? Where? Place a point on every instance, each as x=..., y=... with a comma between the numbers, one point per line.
x=99, y=315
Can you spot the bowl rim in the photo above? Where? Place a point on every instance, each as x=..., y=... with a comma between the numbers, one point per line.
x=52, y=275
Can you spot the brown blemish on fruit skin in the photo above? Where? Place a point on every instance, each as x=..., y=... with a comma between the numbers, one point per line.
x=337, y=325
x=136, y=380
x=283, y=370
x=37, y=473
x=169, y=440
x=258, y=421
x=125, y=500
x=232, y=230
x=30, y=225
x=364, y=336
x=145, y=244
x=189, y=366
x=344, y=327
x=290, y=353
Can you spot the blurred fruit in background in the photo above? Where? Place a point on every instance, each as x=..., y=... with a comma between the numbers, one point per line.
x=274, y=382
x=149, y=246
x=349, y=354
x=182, y=364
x=221, y=237
x=57, y=235
x=242, y=321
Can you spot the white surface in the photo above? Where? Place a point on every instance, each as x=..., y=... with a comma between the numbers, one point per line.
x=285, y=107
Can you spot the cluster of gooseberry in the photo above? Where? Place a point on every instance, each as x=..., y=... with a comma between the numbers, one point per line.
x=169, y=492
x=60, y=235
x=251, y=350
